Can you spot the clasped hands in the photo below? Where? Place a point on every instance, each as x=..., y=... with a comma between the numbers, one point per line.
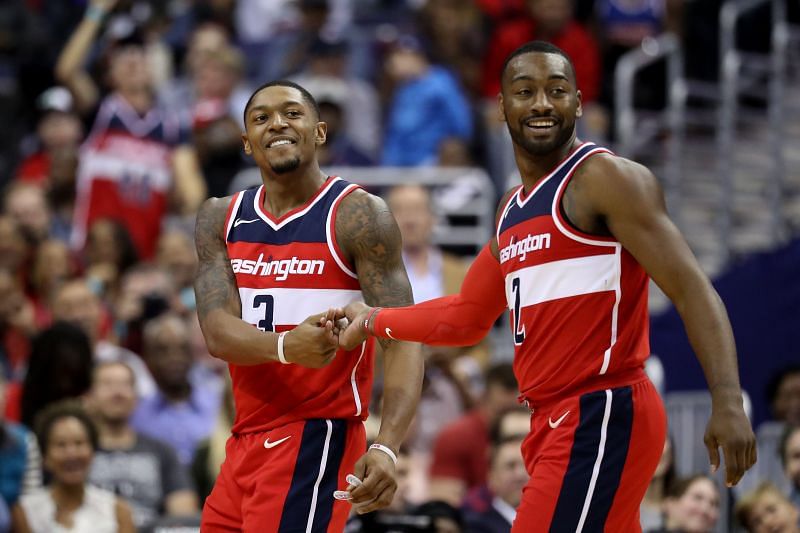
x=315, y=341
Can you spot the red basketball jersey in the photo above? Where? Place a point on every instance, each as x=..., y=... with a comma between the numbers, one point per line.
x=578, y=302
x=286, y=270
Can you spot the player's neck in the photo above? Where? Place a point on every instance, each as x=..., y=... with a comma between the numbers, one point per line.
x=532, y=168
x=285, y=192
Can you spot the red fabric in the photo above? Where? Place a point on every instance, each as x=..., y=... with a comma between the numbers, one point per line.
x=34, y=169
x=461, y=449
x=575, y=40
x=458, y=320
x=250, y=492
x=501, y=9
x=548, y=452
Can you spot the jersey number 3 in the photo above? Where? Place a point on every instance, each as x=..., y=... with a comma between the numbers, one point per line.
x=268, y=301
x=519, y=329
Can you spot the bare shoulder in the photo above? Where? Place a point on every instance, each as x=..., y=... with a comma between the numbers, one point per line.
x=364, y=225
x=608, y=178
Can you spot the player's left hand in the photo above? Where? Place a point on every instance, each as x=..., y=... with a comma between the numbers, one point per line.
x=376, y=470
x=729, y=428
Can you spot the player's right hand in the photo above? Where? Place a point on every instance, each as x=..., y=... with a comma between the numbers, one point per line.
x=312, y=344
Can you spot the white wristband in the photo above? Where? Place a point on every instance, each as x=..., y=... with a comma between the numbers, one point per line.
x=385, y=449
x=281, y=354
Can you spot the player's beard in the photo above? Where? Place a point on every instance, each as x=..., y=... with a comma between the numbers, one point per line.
x=541, y=147
x=285, y=165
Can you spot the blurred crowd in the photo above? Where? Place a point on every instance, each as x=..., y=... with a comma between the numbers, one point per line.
x=121, y=116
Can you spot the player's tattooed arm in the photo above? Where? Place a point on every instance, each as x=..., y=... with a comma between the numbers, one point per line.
x=215, y=284
x=368, y=234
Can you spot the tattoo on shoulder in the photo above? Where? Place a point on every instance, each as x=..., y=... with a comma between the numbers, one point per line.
x=215, y=284
x=368, y=233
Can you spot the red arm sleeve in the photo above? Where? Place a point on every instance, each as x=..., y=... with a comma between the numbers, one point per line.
x=459, y=320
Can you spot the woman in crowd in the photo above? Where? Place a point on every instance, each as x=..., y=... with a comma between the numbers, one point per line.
x=767, y=509
x=691, y=505
x=68, y=440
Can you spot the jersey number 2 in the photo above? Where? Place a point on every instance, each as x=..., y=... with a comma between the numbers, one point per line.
x=269, y=302
x=519, y=330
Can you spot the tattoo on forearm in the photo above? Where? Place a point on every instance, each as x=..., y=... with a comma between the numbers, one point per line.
x=215, y=284
x=367, y=231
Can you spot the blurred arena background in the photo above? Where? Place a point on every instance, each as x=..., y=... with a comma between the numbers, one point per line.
x=704, y=92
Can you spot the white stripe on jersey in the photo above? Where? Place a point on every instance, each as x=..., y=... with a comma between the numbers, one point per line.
x=292, y=306
x=564, y=278
x=100, y=164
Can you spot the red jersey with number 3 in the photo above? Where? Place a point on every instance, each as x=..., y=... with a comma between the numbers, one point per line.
x=578, y=302
x=287, y=269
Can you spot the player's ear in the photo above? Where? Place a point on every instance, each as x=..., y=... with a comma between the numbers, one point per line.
x=501, y=112
x=579, y=110
x=247, y=148
x=321, y=133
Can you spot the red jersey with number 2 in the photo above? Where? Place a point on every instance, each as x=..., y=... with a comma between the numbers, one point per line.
x=578, y=302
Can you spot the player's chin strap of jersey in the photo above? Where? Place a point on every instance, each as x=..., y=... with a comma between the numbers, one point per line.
x=461, y=319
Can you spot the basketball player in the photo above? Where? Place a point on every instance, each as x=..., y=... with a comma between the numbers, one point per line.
x=571, y=257
x=269, y=256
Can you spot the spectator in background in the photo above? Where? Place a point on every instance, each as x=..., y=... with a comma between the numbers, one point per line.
x=136, y=155
x=547, y=20
x=76, y=303
x=783, y=392
x=432, y=273
x=16, y=325
x=651, y=511
x=20, y=460
x=691, y=505
x=144, y=471
x=460, y=450
x=327, y=78
x=180, y=413
x=766, y=509
x=338, y=149
x=53, y=265
x=145, y=292
x=506, y=479
x=210, y=452
x=790, y=458
x=68, y=440
x=15, y=251
x=216, y=122
x=58, y=129
x=109, y=253
x=59, y=368
x=453, y=29
x=427, y=106
x=27, y=205
x=175, y=255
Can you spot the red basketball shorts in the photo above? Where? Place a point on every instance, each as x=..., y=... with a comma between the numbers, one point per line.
x=591, y=458
x=283, y=480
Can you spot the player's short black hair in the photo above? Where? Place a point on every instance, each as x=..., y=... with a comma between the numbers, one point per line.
x=542, y=47
x=310, y=100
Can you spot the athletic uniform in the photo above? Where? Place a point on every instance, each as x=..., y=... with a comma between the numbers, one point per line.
x=578, y=309
x=298, y=431
x=125, y=172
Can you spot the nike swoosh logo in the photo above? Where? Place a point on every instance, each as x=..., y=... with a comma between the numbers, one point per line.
x=389, y=334
x=268, y=444
x=240, y=221
x=557, y=423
